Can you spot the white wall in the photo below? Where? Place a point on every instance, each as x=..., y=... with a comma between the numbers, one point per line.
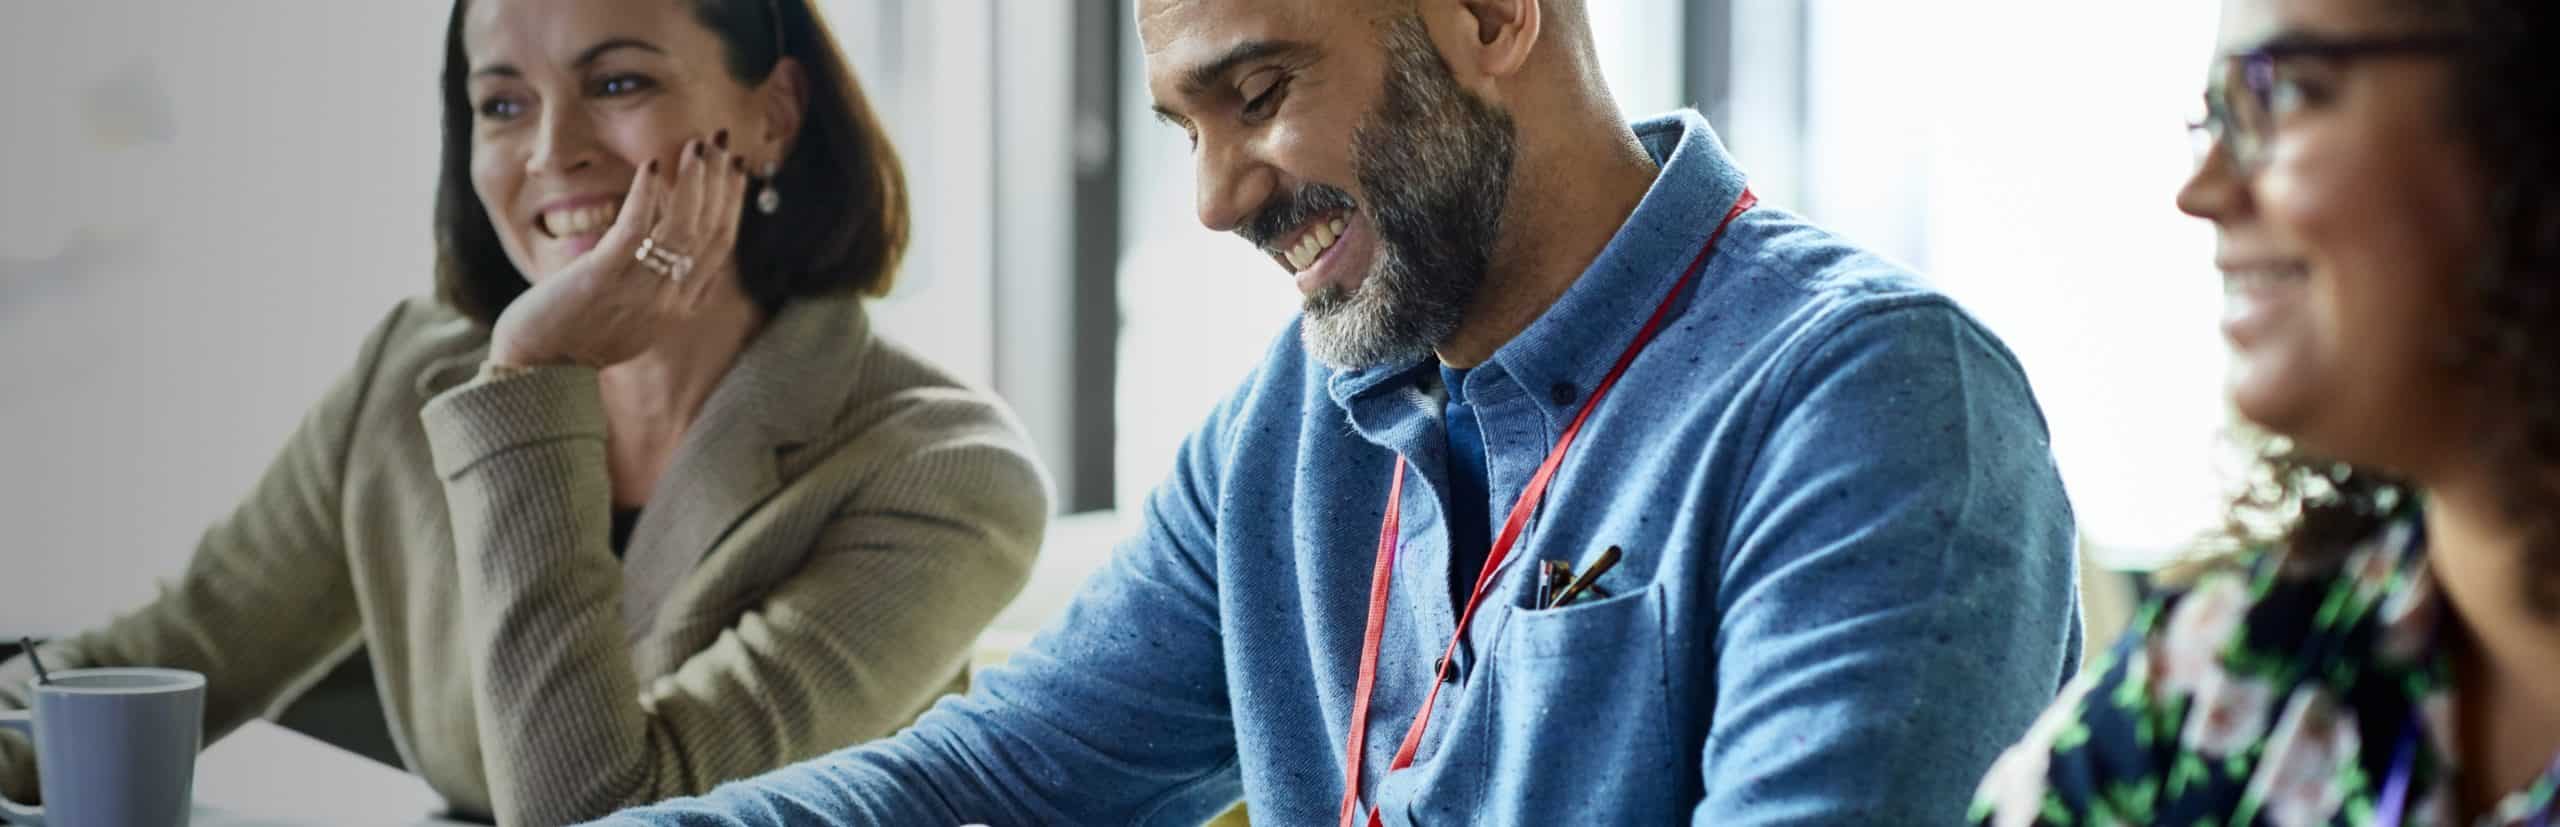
x=257, y=178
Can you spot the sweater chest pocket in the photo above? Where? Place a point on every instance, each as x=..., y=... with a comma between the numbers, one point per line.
x=1579, y=723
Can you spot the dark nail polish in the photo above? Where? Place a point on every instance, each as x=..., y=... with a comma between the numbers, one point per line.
x=653, y=166
x=722, y=140
x=737, y=164
x=699, y=151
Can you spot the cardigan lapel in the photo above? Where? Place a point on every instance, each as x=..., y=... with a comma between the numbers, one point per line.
x=785, y=389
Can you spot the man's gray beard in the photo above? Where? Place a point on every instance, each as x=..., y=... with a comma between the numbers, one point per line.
x=1436, y=163
x=1384, y=321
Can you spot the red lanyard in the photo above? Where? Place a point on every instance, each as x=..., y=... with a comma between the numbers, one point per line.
x=1382, y=581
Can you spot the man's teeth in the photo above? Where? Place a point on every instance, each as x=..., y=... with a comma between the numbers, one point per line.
x=581, y=220
x=1314, y=243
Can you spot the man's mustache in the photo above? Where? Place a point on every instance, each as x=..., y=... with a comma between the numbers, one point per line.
x=1289, y=211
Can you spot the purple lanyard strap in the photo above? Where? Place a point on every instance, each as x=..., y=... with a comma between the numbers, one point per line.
x=2395, y=788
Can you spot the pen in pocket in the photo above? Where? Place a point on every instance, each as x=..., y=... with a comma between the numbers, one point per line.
x=1553, y=575
x=1608, y=558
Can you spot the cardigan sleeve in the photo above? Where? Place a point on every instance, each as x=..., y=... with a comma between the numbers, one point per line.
x=265, y=601
x=876, y=621
x=1118, y=713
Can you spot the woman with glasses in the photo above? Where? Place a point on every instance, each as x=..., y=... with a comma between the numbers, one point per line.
x=2377, y=639
x=640, y=503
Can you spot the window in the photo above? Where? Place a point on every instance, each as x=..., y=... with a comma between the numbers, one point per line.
x=2025, y=155
x=2021, y=154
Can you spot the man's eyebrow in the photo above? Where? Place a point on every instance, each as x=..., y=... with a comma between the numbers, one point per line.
x=1199, y=78
x=596, y=51
x=585, y=58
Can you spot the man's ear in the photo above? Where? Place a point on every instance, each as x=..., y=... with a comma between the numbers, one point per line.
x=1500, y=35
x=782, y=102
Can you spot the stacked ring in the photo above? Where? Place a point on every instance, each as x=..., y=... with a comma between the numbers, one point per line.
x=663, y=261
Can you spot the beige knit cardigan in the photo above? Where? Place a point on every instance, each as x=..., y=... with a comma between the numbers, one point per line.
x=833, y=533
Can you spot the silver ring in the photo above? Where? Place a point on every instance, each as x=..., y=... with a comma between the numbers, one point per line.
x=663, y=261
x=677, y=266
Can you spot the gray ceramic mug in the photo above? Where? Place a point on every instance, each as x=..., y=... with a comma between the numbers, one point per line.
x=114, y=747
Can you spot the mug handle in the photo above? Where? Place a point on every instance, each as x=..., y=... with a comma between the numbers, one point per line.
x=24, y=722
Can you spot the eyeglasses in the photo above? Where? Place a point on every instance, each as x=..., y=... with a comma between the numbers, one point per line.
x=2242, y=125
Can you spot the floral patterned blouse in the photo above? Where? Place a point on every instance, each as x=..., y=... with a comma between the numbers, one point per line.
x=2258, y=696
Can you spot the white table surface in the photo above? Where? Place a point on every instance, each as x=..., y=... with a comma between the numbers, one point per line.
x=264, y=775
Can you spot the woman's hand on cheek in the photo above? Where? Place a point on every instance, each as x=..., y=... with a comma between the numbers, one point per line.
x=674, y=239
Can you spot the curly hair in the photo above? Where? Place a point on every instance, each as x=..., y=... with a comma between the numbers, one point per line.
x=2505, y=101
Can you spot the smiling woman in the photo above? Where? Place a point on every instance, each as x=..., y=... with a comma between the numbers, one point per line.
x=847, y=224
x=2382, y=643
x=641, y=504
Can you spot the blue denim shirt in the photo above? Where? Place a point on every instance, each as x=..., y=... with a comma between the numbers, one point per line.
x=1848, y=576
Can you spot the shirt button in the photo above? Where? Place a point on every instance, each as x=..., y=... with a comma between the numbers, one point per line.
x=1563, y=394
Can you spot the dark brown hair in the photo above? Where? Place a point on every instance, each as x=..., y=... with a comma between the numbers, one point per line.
x=2505, y=101
x=843, y=224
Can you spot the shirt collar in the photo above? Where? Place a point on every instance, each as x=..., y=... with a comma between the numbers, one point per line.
x=1573, y=344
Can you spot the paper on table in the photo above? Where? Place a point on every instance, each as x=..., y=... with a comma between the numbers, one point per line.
x=264, y=775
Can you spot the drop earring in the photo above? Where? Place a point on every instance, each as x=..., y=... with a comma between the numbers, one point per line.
x=769, y=199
